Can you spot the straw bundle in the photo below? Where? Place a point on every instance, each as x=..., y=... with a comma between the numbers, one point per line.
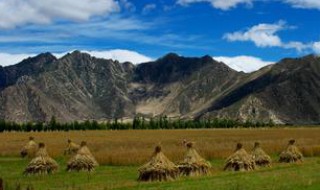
x=83, y=160
x=260, y=157
x=240, y=160
x=72, y=148
x=159, y=168
x=30, y=149
x=193, y=164
x=291, y=154
x=42, y=163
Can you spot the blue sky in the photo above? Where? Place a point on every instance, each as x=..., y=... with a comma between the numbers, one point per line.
x=267, y=30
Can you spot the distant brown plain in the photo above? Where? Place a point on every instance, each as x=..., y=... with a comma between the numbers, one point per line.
x=133, y=147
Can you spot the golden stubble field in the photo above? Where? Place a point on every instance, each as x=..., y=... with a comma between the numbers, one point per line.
x=133, y=147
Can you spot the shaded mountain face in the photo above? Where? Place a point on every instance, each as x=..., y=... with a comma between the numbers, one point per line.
x=288, y=92
x=170, y=68
x=78, y=87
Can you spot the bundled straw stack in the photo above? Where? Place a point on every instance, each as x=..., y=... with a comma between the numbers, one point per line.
x=291, y=154
x=159, y=168
x=30, y=149
x=72, y=148
x=83, y=160
x=240, y=160
x=260, y=157
x=193, y=164
x=42, y=163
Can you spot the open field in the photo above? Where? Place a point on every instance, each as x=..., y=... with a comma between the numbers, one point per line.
x=121, y=152
x=280, y=176
x=134, y=147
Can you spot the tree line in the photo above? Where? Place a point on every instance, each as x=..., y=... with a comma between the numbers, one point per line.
x=138, y=123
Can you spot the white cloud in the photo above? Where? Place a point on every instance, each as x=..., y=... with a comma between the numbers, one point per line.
x=128, y=5
x=299, y=46
x=228, y=4
x=7, y=59
x=219, y=4
x=121, y=55
x=316, y=47
x=15, y=13
x=263, y=35
x=244, y=63
x=266, y=35
x=149, y=7
x=305, y=4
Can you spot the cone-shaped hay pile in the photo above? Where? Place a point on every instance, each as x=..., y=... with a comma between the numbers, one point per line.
x=193, y=164
x=260, y=157
x=42, y=163
x=30, y=149
x=240, y=160
x=83, y=160
x=159, y=168
x=72, y=148
x=291, y=154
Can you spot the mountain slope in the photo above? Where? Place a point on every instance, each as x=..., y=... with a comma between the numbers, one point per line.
x=179, y=86
x=75, y=87
x=286, y=93
x=78, y=87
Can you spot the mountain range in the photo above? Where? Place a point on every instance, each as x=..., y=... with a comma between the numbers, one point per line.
x=79, y=86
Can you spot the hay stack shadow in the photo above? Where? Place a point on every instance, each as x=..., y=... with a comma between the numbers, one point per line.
x=240, y=160
x=42, y=163
x=193, y=164
x=30, y=149
x=159, y=168
x=260, y=157
x=291, y=153
x=83, y=160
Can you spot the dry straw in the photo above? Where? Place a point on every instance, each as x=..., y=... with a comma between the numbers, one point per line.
x=72, y=148
x=260, y=157
x=42, y=163
x=159, y=168
x=291, y=154
x=83, y=160
x=30, y=149
x=240, y=160
x=193, y=164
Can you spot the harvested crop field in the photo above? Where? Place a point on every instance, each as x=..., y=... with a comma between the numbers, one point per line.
x=134, y=147
x=120, y=153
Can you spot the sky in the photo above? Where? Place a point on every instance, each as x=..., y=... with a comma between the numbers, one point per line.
x=245, y=34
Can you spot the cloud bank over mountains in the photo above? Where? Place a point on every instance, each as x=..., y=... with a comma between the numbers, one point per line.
x=7, y=59
x=239, y=63
x=28, y=27
x=244, y=63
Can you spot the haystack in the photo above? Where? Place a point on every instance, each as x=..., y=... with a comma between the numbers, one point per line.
x=240, y=160
x=42, y=163
x=72, y=148
x=159, y=168
x=83, y=160
x=30, y=149
x=260, y=157
x=291, y=154
x=193, y=164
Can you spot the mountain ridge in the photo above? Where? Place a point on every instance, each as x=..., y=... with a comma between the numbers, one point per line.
x=79, y=86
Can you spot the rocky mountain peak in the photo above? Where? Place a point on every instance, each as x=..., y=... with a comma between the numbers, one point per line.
x=79, y=86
